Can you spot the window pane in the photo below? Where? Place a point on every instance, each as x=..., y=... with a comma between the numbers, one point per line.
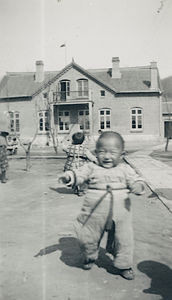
x=102, y=93
x=46, y=126
x=17, y=125
x=139, y=111
x=12, y=125
x=60, y=113
x=17, y=115
x=85, y=85
x=87, y=112
x=66, y=126
x=133, y=111
x=66, y=113
x=107, y=124
x=40, y=114
x=41, y=125
x=46, y=114
x=61, y=125
x=79, y=84
x=81, y=113
x=102, y=112
x=133, y=122
x=87, y=125
x=108, y=112
x=85, y=92
x=11, y=114
x=139, y=122
x=102, y=126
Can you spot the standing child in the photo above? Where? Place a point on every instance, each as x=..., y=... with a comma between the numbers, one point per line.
x=107, y=202
x=77, y=156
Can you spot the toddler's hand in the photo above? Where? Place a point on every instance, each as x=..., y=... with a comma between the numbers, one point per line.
x=138, y=188
x=64, y=178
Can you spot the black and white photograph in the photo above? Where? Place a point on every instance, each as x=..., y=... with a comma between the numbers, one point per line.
x=85, y=149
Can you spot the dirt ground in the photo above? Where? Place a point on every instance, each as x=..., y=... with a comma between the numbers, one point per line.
x=40, y=258
x=165, y=157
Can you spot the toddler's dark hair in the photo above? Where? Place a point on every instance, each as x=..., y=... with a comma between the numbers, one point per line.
x=110, y=134
x=78, y=138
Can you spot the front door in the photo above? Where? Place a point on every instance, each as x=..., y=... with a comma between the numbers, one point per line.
x=83, y=119
x=168, y=129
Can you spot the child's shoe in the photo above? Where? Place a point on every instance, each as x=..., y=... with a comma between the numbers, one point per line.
x=88, y=264
x=127, y=273
x=80, y=193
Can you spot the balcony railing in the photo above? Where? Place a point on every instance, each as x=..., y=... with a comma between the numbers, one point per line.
x=68, y=96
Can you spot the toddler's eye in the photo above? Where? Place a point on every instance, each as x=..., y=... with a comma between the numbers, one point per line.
x=101, y=152
x=114, y=152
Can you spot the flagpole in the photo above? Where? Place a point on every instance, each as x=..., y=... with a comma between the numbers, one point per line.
x=65, y=54
x=65, y=46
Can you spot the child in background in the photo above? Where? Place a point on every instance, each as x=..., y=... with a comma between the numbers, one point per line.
x=3, y=156
x=77, y=156
x=107, y=203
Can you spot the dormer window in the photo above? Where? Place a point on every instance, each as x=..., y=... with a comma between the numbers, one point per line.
x=82, y=88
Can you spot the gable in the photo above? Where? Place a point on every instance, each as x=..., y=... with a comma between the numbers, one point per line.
x=63, y=75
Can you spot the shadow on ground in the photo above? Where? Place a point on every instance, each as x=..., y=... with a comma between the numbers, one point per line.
x=164, y=192
x=105, y=262
x=62, y=190
x=161, y=276
x=70, y=251
x=72, y=256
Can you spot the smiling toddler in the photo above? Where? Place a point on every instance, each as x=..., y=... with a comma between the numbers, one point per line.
x=107, y=203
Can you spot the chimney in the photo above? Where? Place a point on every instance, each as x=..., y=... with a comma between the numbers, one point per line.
x=115, y=68
x=154, y=75
x=39, y=76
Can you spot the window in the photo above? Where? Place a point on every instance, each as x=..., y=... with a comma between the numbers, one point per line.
x=136, y=118
x=105, y=118
x=83, y=119
x=83, y=88
x=14, y=121
x=64, y=89
x=63, y=120
x=43, y=121
x=102, y=93
x=45, y=95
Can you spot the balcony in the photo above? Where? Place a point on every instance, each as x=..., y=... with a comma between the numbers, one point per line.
x=71, y=97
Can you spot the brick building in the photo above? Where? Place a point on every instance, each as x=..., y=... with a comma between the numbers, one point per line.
x=127, y=100
x=167, y=105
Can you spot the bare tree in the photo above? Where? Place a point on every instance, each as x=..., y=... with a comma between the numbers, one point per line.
x=52, y=129
x=27, y=148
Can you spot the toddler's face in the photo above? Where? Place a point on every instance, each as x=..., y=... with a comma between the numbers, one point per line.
x=109, y=152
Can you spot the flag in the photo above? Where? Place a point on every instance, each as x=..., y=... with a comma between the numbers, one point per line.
x=63, y=45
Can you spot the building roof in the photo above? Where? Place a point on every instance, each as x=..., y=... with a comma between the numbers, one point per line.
x=14, y=85
x=23, y=84
x=132, y=79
